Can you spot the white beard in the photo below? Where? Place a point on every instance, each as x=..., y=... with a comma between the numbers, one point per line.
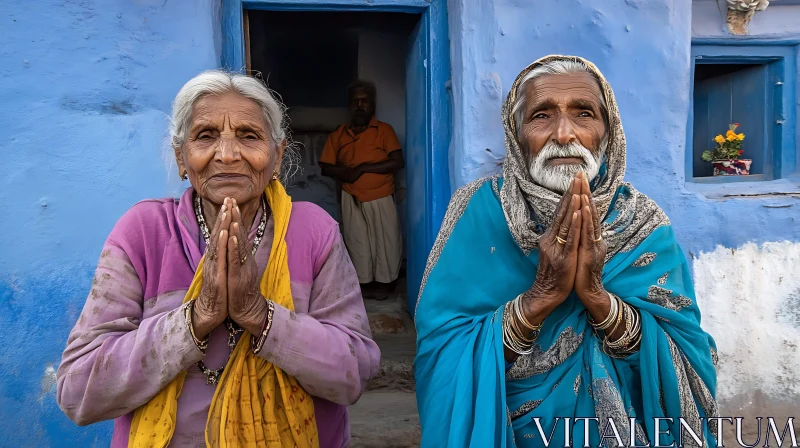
x=557, y=178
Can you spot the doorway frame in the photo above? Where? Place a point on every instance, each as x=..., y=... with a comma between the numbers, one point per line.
x=436, y=167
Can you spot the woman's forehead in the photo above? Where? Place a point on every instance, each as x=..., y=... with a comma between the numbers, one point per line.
x=234, y=106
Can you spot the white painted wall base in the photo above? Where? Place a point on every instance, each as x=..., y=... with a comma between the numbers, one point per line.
x=750, y=301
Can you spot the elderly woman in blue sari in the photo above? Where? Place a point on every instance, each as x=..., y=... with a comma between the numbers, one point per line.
x=557, y=307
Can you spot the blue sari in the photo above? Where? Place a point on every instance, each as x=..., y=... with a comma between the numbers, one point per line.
x=469, y=397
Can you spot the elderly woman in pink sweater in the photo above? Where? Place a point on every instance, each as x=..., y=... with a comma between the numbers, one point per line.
x=146, y=340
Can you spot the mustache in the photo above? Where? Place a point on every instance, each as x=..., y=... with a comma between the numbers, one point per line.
x=553, y=150
x=557, y=177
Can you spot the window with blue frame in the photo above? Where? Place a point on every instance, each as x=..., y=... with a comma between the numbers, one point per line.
x=753, y=86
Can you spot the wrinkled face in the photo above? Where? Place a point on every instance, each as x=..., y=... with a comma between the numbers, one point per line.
x=362, y=107
x=563, y=130
x=229, y=150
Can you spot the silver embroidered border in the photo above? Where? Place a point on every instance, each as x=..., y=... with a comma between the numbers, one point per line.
x=526, y=407
x=458, y=203
x=608, y=405
x=688, y=408
x=703, y=395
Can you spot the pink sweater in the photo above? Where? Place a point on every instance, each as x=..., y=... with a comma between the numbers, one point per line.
x=131, y=339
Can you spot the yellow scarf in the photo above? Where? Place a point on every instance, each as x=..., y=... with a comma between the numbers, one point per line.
x=255, y=404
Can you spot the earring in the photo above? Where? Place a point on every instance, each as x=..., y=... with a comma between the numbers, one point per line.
x=275, y=175
x=185, y=175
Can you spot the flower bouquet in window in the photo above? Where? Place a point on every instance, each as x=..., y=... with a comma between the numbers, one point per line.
x=725, y=156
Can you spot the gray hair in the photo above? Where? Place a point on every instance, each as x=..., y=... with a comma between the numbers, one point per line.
x=218, y=82
x=555, y=67
x=365, y=86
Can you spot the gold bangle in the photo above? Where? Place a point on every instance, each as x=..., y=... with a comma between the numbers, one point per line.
x=521, y=315
x=202, y=345
x=627, y=336
x=612, y=315
x=512, y=341
x=630, y=339
x=532, y=331
x=619, y=318
x=518, y=332
x=258, y=344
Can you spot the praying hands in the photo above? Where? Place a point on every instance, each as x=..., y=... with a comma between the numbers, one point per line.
x=571, y=258
x=230, y=277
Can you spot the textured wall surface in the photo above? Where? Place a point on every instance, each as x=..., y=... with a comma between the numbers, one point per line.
x=754, y=288
x=85, y=89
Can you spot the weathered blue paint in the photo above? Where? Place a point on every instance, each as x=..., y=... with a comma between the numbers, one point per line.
x=85, y=89
x=427, y=124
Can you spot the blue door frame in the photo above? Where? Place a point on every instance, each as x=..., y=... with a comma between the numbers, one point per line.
x=427, y=169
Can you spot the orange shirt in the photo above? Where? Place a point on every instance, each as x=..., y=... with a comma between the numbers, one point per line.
x=346, y=148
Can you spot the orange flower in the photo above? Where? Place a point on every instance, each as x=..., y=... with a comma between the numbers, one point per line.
x=731, y=135
x=740, y=137
x=719, y=139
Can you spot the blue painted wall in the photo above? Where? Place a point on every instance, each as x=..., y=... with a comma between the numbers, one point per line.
x=643, y=48
x=85, y=89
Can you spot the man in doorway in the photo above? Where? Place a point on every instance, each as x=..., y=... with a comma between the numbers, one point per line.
x=363, y=155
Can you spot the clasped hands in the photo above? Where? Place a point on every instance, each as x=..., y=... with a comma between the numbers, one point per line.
x=572, y=252
x=230, y=278
x=351, y=174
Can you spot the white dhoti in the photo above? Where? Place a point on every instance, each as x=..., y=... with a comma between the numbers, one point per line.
x=372, y=236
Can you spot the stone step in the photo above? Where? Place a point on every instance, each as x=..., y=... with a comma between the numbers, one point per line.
x=385, y=419
x=394, y=375
x=393, y=331
x=396, y=371
x=388, y=316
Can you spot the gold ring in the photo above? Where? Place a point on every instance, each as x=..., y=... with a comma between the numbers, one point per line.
x=244, y=258
x=599, y=239
x=561, y=240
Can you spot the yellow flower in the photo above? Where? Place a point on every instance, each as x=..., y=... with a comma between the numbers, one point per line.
x=719, y=139
x=740, y=136
x=731, y=135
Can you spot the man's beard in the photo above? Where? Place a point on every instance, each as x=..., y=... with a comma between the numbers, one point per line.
x=361, y=117
x=558, y=177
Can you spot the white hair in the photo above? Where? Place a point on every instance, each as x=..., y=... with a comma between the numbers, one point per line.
x=556, y=67
x=557, y=178
x=219, y=82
